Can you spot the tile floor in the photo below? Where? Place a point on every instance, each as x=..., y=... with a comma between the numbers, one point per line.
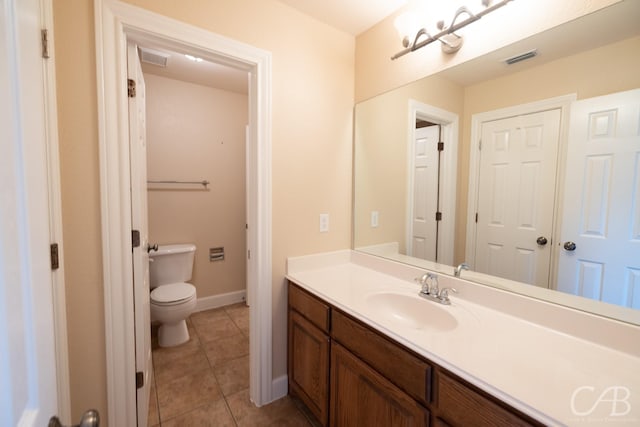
x=205, y=381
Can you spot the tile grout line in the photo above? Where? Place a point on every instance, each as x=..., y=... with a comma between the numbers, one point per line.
x=210, y=368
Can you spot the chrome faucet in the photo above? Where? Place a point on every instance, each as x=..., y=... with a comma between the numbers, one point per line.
x=431, y=291
x=459, y=268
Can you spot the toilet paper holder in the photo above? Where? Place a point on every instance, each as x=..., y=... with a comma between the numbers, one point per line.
x=216, y=254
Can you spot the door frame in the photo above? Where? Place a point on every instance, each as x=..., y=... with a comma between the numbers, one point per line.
x=560, y=102
x=116, y=22
x=449, y=122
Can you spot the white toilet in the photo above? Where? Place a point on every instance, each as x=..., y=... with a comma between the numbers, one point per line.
x=172, y=299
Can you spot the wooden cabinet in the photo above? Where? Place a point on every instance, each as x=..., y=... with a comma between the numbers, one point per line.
x=308, y=355
x=405, y=369
x=349, y=374
x=459, y=405
x=362, y=397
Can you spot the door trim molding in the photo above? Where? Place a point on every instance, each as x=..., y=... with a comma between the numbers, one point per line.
x=116, y=22
x=449, y=122
x=563, y=103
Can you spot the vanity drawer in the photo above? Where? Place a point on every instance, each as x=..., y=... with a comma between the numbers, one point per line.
x=460, y=405
x=316, y=311
x=405, y=370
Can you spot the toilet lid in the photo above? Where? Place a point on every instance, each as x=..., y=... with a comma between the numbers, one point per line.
x=173, y=293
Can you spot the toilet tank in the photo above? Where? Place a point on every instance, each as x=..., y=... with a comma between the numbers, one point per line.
x=171, y=264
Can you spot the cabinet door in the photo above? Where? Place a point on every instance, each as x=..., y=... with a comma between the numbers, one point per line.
x=309, y=350
x=362, y=397
x=461, y=406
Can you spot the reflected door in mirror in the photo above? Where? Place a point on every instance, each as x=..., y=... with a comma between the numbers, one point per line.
x=423, y=234
x=601, y=211
x=517, y=186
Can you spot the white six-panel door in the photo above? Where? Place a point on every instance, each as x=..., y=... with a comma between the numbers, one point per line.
x=517, y=179
x=139, y=221
x=28, y=392
x=601, y=213
x=425, y=194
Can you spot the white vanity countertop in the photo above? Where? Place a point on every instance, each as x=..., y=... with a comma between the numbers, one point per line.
x=560, y=366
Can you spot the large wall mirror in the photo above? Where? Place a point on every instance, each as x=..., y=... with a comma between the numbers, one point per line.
x=437, y=183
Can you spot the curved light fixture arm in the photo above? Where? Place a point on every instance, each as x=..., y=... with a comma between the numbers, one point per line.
x=421, y=32
x=451, y=29
x=460, y=11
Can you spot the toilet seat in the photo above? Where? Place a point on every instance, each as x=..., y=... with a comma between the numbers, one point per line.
x=172, y=294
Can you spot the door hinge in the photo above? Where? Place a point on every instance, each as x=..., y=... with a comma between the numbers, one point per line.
x=131, y=88
x=139, y=380
x=476, y=217
x=440, y=146
x=55, y=259
x=135, y=238
x=480, y=145
x=438, y=216
x=249, y=254
x=44, y=39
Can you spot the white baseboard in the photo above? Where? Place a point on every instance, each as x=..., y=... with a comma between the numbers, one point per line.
x=215, y=301
x=279, y=387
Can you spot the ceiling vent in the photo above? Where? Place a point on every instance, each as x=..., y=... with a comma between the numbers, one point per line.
x=521, y=57
x=154, y=57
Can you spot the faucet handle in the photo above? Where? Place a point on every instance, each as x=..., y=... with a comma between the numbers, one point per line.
x=444, y=294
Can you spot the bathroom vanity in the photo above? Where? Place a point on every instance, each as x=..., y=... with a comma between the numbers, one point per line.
x=365, y=349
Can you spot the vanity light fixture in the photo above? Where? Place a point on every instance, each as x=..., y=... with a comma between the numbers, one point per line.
x=193, y=58
x=451, y=42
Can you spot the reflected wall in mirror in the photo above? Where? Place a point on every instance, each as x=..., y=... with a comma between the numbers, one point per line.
x=570, y=67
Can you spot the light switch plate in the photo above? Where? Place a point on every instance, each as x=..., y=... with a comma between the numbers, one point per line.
x=324, y=223
x=374, y=218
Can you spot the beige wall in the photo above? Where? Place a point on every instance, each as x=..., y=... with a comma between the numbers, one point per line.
x=195, y=133
x=377, y=73
x=381, y=137
x=313, y=86
x=80, y=182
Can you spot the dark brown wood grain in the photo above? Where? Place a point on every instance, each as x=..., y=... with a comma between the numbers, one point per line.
x=308, y=365
x=458, y=405
x=404, y=369
x=361, y=396
x=309, y=306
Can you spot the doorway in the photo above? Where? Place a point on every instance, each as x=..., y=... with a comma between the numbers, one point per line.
x=431, y=197
x=115, y=24
x=191, y=176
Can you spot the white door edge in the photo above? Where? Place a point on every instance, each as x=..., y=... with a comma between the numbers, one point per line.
x=449, y=122
x=115, y=23
x=563, y=103
x=55, y=219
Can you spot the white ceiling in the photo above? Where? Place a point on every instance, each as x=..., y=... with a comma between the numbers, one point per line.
x=351, y=16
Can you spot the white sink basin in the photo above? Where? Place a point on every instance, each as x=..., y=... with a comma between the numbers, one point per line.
x=412, y=311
